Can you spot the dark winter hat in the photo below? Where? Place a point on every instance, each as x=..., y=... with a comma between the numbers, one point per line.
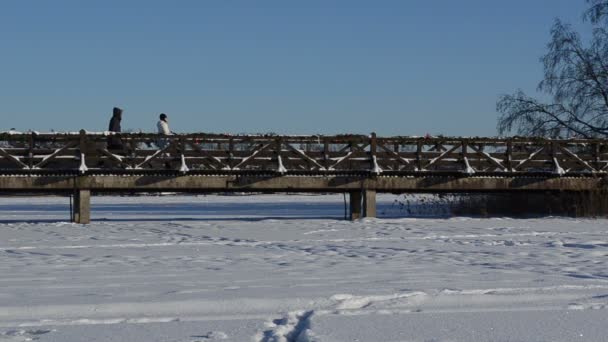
x=163, y=116
x=116, y=111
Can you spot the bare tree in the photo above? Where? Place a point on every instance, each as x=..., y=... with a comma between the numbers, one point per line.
x=597, y=12
x=575, y=81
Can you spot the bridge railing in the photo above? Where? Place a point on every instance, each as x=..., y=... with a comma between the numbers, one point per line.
x=190, y=153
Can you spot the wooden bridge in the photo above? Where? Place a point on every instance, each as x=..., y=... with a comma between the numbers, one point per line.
x=81, y=163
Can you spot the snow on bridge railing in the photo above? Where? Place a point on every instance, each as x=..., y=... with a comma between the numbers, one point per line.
x=201, y=152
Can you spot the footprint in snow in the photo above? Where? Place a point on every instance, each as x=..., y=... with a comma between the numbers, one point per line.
x=18, y=335
x=210, y=336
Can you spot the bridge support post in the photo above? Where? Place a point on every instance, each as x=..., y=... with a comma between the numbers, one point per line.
x=369, y=203
x=362, y=204
x=82, y=206
x=355, y=205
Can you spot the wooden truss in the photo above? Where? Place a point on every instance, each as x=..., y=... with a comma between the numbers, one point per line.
x=187, y=153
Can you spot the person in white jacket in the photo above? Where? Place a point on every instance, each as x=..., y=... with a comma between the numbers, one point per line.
x=163, y=128
x=163, y=125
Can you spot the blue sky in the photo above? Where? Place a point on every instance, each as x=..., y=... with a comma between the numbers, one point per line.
x=396, y=67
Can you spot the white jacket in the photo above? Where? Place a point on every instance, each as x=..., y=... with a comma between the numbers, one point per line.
x=163, y=127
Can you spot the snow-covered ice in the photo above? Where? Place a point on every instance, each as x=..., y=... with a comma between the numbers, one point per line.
x=288, y=268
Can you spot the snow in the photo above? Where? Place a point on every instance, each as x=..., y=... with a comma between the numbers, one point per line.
x=289, y=268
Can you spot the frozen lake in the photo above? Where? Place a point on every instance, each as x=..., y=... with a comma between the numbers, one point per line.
x=289, y=268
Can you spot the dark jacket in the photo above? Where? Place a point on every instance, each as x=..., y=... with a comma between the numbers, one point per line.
x=114, y=142
x=114, y=124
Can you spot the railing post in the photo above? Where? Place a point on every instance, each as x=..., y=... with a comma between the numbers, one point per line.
x=463, y=152
x=373, y=147
x=373, y=144
x=558, y=170
x=30, y=154
x=326, y=153
x=230, y=153
x=396, y=146
x=351, y=144
x=596, y=156
x=465, y=159
x=509, y=156
x=182, y=149
x=419, y=155
x=279, y=145
x=83, y=149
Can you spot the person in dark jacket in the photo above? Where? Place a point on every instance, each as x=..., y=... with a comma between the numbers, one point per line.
x=114, y=142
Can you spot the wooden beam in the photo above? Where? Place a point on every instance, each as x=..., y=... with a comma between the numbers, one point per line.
x=46, y=159
x=443, y=155
x=577, y=158
x=12, y=158
x=488, y=157
x=254, y=153
x=530, y=157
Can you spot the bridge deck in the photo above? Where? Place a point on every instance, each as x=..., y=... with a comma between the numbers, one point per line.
x=294, y=183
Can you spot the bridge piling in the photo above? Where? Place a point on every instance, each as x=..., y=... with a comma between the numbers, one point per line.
x=369, y=203
x=355, y=205
x=82, y=207
x=362, y=204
